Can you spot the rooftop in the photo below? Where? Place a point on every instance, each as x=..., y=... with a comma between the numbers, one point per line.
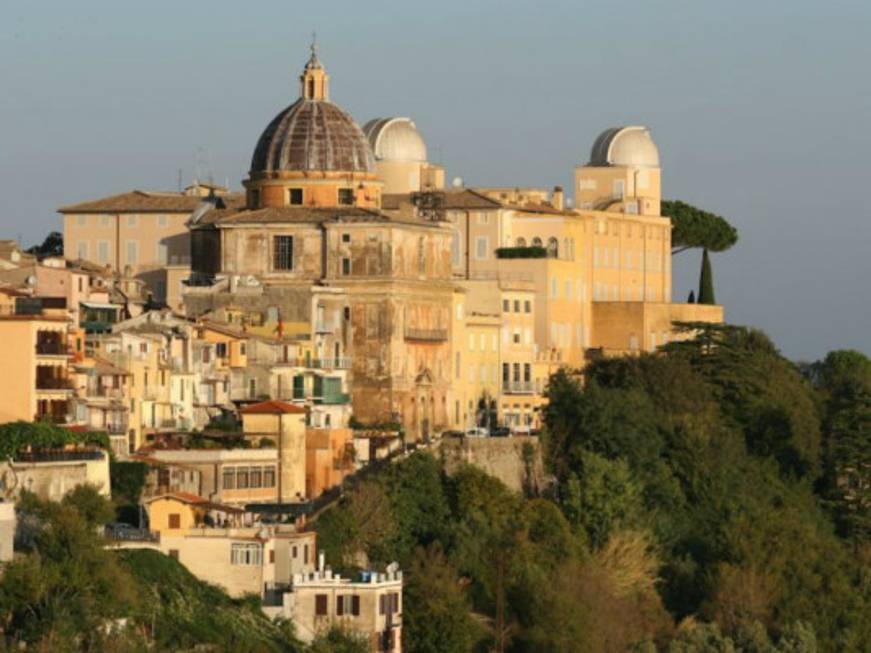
x=272, y=407
x=140, y=201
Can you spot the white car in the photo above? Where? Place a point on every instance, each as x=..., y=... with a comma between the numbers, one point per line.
x=520, y=429
x=476, y=432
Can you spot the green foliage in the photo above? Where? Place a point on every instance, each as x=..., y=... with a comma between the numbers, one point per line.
x=521, y=252
x=706, y=281
x=16, y=437
x=337, y=640
x=53, y=245
x=721, y=436
x=128, y=480
x=603, y=499
x=693, y=227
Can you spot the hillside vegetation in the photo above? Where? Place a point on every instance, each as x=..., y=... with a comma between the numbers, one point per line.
x=712, y=497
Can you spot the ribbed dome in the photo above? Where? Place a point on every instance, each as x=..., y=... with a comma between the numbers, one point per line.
x=312, y=135
x=395, y=139
x=625, y=146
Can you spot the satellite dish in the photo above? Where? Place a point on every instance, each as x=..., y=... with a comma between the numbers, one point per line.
x=31, y=280
x=457, y=182
x=569, y=202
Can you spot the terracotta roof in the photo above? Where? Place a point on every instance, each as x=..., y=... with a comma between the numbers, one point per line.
x=462, y=198
x=102, y=366
x=303, y=215
x=226, y=329
x=539, y=207
x=139, y=201
x=272, y=407
x=184, y=497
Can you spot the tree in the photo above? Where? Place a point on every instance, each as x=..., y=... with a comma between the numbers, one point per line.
x=53, y=245
x=694, y=228
x=336, y=640
x=706, y=281
x=438, y=616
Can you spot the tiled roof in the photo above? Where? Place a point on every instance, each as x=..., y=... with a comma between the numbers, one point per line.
x=452, y=199
x=139, y=201
x=184, y=497
x=272, y=408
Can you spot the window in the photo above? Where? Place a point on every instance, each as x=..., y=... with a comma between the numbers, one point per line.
x=252, y=388
x=516, y=305
x=554, y=288
x=221, y=349
x=255, y=478
x=459, y=311
x=82, y=249
x=471, y=342
x=347, y=604
x=162, y=253
x=294, y=196
x=347, y=313
x=568, y=289
x=346, y=266
x=242, y=478
x=229, y=476
x=527, y=306
x=246, y=554
x=482, y=247
x=173, y=553
x=282, y=253
x=457, y=364
x=506, y=305
x=455, y=248
x=269, y=477
x=536, y=242
x=175, y=520
x=483, y=218
x=272, y=556
x=346, y=196
x=521, y=242
x=255, y=198
x=132, y=221
x=103, y=251
x=516, y=337
x=294, y=552
x=320, y=605
x=346, y=238
x=553, y=247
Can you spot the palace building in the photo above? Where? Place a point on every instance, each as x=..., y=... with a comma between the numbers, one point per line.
x=437, y=308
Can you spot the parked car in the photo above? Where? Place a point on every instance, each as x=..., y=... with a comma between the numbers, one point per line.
x=476, y=432
x=500, y=432
x=521, y=429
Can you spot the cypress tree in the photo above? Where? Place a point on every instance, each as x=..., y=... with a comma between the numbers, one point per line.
x=706, y=281
x=692, y=298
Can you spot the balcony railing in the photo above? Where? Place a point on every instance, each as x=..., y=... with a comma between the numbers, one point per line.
x=121, y=533
x=334, y=398
x=58, y=455
x=431, y=335
x=331, y=363
x=54, y=383
x=53, y=349
x=518, y=387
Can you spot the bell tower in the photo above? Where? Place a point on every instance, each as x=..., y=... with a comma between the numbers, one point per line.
x=314, y=81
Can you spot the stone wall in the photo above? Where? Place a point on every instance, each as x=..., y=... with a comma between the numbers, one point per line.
x=516, y=461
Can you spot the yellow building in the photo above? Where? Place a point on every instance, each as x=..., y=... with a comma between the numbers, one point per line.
x=284, y=425
x=35, y=381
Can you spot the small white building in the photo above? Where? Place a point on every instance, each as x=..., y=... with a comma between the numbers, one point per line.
x=370, y=605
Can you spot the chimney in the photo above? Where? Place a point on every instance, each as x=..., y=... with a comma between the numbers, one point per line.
x=557, y=199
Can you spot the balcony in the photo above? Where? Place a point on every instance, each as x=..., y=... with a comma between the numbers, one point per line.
x=427, y=335
x=333, y=398
x=58, y=455
x=331, y=364
x=518, y=387
x=54, y=383
x=50, y=348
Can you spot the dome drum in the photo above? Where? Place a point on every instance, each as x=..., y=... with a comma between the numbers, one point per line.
x=630, y=146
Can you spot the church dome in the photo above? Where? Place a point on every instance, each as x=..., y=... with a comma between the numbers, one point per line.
x=625, y=146
x=395, y=139
x=310, y=135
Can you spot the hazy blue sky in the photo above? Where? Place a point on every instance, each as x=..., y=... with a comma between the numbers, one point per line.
x=762, y=112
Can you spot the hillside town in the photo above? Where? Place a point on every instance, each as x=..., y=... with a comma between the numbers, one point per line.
x=257, y=352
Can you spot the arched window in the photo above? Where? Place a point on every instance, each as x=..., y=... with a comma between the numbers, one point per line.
x=552, y=247
x=536, y=242
x=521, y=242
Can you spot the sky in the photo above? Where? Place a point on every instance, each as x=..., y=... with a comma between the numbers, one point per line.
x=761, y=111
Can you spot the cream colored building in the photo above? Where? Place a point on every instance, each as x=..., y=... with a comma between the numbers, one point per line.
x=51, y=475
x=370, y=605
